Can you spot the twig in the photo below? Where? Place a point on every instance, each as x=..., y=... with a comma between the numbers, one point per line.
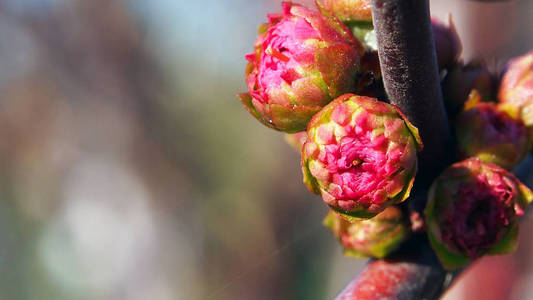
x=410, y=74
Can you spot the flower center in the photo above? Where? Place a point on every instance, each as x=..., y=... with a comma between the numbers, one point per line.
x=360, y=163
x=476, y=220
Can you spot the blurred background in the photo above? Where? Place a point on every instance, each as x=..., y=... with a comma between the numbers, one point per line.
x=129, y=169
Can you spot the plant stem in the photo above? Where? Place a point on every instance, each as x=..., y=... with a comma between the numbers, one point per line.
x=410, y=73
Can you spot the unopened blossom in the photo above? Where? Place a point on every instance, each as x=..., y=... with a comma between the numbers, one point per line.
x=303, y=59
x=360, y=155
x=472, y=210
x=516, y=88
x=486, y=131
x=375, y=237
x=447, y=42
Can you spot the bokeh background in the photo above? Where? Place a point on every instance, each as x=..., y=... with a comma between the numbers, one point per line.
x=129, y=169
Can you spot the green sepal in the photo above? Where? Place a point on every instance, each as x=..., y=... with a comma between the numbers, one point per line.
x=406, y=191
x=309, y=180
x=412, y=129
x=525, y=195
x=448, y=259
x=353, y=253
x=338, y=66
x=356, y=215
x=263, y=28
x=246, y=100
x=329, y=220
x=333, y=22
x=320, y=6
x=291, y=119
x=509, y=241
x=283, y=118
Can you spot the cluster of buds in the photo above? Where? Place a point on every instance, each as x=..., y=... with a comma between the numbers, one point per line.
x=473, y=205
x=316, y=76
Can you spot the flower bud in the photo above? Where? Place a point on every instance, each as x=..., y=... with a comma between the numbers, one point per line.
x=376, y=237
x=447, y=42
x=472, y=210
x=461, y=80
x=516, y=87
x=350, y=10
x=360, y=155
x=488, y=132
x=302, y=60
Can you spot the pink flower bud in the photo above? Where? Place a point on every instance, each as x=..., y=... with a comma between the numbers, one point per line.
x=360, y=155
x=376, y=237
x=472, y=210
x=303, y=59
x=488, y=132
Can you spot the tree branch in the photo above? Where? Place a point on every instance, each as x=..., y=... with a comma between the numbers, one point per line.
x=410, y=73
